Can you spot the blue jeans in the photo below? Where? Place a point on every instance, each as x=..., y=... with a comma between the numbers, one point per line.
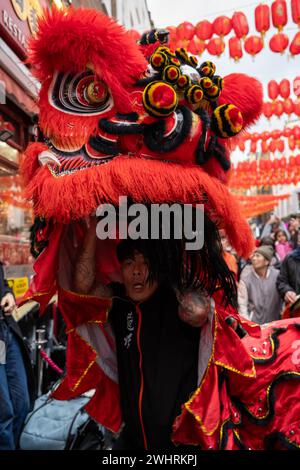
x=14, y=396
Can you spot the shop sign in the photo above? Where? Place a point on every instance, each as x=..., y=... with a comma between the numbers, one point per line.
x=19, y=285
x=18, y=21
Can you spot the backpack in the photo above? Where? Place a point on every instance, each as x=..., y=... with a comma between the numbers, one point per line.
x=61, y=425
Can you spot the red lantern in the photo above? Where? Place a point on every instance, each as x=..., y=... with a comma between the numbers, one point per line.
x=287, y=131
x=273, y=90
x=279, y=14
x=288, y=106
x=216, y=46
x=222, y=26
x=284, y=88
x=278, y=108
x=241, y=146
x=296, y=132
x=267, y=110
x=253, y=146
x=253, y=45
x=196, y=46
x=275, y=134
x=272, y=146
x=135, y=35
x=204, y=30
x=295, y=5
x=235, y=48
x=296, y=86
x=279, y=42
x=280, y=145
x=264, y=147
x=297, y=108
x=265, y=135
x=262, y=18
x=292, y=143
x=185, y=31
x=240, y=24
x=295, y=44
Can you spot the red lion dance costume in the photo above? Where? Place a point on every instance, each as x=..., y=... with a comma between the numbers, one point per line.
x=139, y=120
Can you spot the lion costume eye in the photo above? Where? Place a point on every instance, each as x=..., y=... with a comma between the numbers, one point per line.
x=79, y=94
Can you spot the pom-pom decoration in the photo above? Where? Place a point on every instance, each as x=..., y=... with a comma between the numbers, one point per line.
x=226, y=121
x=159, y=99
x=171, y=74
x=158, y=60
x=194, y=94
x=207, y=69
x=183, y=82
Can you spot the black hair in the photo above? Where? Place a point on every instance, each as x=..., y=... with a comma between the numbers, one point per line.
x=170, y=262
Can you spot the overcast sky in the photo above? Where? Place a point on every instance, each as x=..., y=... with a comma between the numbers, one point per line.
x=266, y=66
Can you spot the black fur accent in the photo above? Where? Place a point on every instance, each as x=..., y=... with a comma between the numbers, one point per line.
x=120, y=128
x=132, y=117
x=37, y=246
x=104, y=146
x=145, y=81
x=201, y=156
x=155, y=140
x=272, y=439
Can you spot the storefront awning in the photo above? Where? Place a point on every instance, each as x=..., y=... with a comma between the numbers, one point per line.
x=17, y=94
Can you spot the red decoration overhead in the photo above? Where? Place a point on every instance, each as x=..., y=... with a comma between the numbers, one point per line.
x=185, y=31
x=216, y=46
x=296, y=86
x=235, y=48
x=204, y=30
x=273, y=90
x=288, y=106
x=240, y=24
x=262, y=18
x=196, y=46
x=279, y=42
x=134, y=34
x=284, y=88
x=295, y=5
x=222, y=26
x=297, y=108
x=279, y=14
x=253, y=45
x=267, y=110
x=295, y=44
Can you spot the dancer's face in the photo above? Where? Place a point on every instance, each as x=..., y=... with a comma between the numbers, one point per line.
x=135, y=270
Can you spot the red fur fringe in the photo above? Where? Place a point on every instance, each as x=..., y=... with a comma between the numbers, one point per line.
x=69, y=40
x=77, y=195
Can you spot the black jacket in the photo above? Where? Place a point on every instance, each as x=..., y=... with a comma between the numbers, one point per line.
x=5, y=289
x=289, y=276
x=157, y=365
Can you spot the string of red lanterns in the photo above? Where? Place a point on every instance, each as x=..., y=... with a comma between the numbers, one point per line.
x=266, y=172
x=199, y=38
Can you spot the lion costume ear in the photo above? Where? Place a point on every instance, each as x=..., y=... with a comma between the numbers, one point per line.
x=246, y=93
x=74, y=40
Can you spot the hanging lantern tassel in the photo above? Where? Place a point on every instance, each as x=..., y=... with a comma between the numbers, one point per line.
x=226, y=121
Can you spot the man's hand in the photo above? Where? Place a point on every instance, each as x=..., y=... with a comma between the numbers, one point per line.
x=290, y=297
x=8, y=303
x=193, y=308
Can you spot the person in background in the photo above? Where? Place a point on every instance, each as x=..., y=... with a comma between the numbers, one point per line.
x=282, y=246
x=228, y=255
x=293, y=227
x=272, y=226
x=15, y=372
x=258, y=298
x=288, y=282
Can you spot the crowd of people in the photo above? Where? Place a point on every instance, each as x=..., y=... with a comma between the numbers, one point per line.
x=269, y=282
